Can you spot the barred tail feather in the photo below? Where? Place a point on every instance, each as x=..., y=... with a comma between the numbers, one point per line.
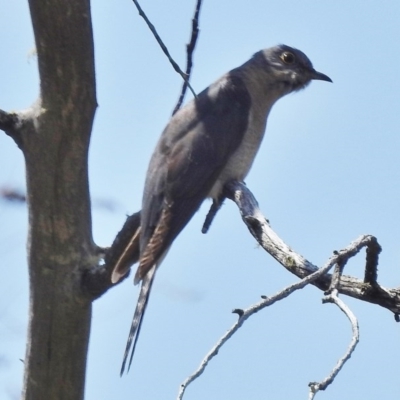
x=141, y=305
x=129, y=257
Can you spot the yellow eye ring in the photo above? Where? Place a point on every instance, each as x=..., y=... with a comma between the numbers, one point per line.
x=288, y=58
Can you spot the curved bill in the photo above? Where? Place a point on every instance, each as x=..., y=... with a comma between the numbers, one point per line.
x=320, y=76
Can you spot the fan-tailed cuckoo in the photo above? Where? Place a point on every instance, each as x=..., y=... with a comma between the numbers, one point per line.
x=207, y=143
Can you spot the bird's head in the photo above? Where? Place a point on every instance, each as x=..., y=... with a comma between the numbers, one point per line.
x=290, y=68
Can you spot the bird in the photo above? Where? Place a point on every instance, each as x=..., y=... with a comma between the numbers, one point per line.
x=209, y=142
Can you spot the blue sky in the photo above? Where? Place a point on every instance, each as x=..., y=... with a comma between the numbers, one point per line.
x=327, y=172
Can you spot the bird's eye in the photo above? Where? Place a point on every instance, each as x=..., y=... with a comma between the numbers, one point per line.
x=287, y=57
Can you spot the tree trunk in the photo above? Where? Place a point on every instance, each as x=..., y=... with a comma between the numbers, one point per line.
x=55, y=143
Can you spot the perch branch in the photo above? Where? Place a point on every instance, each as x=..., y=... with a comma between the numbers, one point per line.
x=298, y=265
x=260, y=229
x=269, y=240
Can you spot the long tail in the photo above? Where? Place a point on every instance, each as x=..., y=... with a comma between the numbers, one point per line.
x=141, y=305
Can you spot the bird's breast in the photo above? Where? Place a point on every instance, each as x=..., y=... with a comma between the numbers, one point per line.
x=241, y=160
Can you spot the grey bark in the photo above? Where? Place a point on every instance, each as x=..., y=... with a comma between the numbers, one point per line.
x=55, y=141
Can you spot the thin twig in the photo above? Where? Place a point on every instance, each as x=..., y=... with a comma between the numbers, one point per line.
x=12, y=195
x=317, y=386
x=337, y=274
x=245, y=314
x=189, y=51
x=163, y=47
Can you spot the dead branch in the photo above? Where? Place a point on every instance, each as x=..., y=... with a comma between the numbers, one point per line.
x=259, y=227
x=333, y=297
x=8, y=124
x=247, y=313
x=163, y=46
x=368, y=290
x=189, y=54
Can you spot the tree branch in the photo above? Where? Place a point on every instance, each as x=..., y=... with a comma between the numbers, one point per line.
x=371, y=266
x=9, y=124
x=189, y=51
x=7, y=121
x=317, y=386
x=298, y=265
x=163, y=47
x=259, y=227
x=247, y=313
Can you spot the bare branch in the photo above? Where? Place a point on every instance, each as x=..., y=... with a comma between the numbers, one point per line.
x=7, y=120
x=163, y=47
x=270, y=241
x=247, y=313
x=315, y=386
x=371, y=266
x=260, y=229
x=189, y=50
x=12, y=195
x=8, y=124
x=298, y=265
x=332, y=297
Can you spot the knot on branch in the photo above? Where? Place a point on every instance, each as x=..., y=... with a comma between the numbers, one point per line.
x=10, y=124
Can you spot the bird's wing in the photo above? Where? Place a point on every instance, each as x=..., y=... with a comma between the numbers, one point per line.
x=192, y=151
x=188, y=159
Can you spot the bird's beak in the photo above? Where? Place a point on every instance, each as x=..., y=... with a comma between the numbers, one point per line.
x=320, y=76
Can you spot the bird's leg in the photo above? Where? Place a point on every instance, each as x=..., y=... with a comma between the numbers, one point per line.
x=215, y=206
